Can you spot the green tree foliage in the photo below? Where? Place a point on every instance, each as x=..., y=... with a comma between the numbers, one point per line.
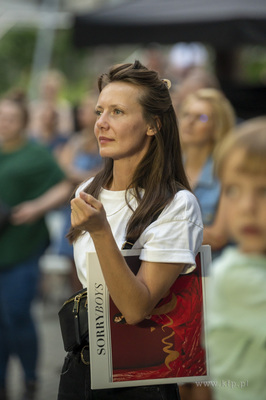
x=17, y=48
x=16, y=52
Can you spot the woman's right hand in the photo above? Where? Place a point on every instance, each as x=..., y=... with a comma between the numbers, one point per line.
x=88, y=214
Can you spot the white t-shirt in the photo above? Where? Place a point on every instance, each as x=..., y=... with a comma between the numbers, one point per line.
x=175, y=237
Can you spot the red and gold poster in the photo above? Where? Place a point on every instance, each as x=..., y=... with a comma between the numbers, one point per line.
x=165, y=347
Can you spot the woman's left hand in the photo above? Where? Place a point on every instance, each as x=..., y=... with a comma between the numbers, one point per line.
x=88, y=214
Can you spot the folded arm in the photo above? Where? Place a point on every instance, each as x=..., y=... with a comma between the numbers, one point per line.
x=29, y=211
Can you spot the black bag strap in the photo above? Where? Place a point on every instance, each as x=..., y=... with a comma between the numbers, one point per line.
x=128, y=244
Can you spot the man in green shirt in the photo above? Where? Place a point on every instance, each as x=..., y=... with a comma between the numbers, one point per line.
x=31, y=183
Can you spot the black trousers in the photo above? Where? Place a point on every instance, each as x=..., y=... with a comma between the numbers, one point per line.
x=75, y=385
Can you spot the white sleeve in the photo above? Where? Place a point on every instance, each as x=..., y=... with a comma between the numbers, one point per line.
x=176, y=236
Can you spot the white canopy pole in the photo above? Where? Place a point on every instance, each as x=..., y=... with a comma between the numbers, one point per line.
x=44, y=44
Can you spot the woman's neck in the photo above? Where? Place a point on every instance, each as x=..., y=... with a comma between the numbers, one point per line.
x=195, y=159
x=13, y=145
x=47, y=134
x=122, y=176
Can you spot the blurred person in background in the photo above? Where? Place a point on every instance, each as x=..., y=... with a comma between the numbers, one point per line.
x=50, y=91
x=236, y=302
x=48, y=133
x=205, y=118
x=155, y=58
x=80, y=160
x=31, y=183
x=81, y=152
x=184, y=57
x=196, y=78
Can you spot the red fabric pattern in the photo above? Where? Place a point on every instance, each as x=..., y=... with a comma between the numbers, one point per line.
x=169, y=343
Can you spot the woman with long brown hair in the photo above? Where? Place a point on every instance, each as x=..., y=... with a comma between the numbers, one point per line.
x=141, y=196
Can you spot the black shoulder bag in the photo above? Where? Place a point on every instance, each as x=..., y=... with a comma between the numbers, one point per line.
x=73, y=315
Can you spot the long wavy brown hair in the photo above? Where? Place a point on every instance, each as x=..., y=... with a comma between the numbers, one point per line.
x=160, y=173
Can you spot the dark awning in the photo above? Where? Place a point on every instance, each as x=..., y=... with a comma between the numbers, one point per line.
x=219, y=23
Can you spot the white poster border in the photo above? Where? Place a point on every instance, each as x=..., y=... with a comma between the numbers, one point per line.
x=99, y=326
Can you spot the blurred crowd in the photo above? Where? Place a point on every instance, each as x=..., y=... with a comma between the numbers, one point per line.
x=47, y=148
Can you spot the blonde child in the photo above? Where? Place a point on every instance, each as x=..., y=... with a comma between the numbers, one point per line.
x=237, y=295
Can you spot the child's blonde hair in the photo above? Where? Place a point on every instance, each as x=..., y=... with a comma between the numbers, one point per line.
x=249, y=136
